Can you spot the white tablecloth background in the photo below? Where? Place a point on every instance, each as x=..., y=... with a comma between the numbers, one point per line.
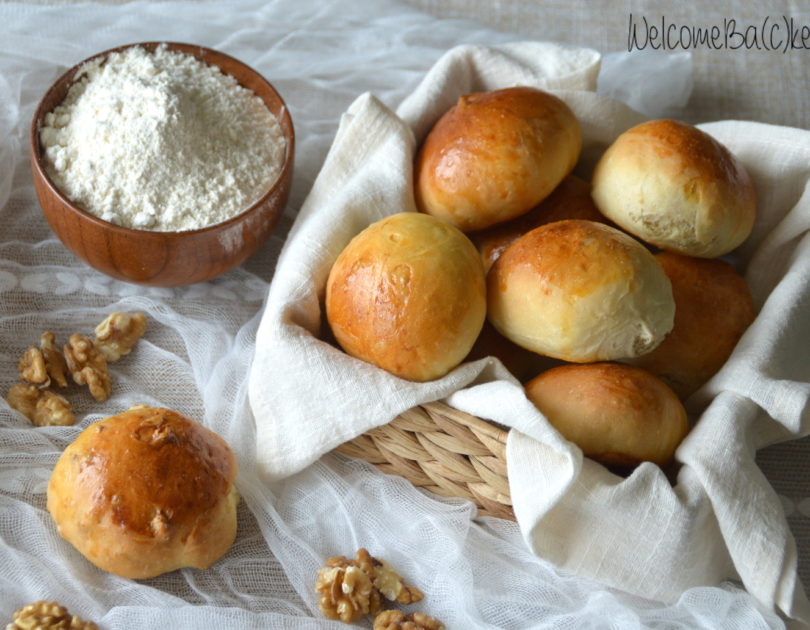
x=199, y=345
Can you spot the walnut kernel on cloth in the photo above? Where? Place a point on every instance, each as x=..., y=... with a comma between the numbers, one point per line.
x=88, y=366
x=55, y=362
x=386, y=580
x=42, y=407
x=346, y=593
x=47, y=616
x=45, y=365
x=378, y=580
x=118, y=333
x=32, y=367
x=397, y=620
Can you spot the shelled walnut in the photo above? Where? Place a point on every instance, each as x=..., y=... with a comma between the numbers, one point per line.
x=386, y=580
x=346, y=593
x=47, y=616
x=118, y=333
x=88, y=366
x=41, y=406
x=45, y=365
x=341, y=578
x=32, y=367
x=397, y=620
x=86, y=361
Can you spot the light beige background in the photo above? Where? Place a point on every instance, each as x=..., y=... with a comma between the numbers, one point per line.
x=748, y=84
x=762, y=85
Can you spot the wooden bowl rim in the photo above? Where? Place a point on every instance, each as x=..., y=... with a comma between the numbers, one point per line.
x=284, y=117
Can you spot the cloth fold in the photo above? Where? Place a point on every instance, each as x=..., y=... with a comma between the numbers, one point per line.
x=641, y=534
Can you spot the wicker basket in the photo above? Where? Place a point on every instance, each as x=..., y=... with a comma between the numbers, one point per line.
x=443, y=450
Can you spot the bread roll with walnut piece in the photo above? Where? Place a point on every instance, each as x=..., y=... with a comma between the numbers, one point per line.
x=580, y=291
x=676, y=187
x=145, y=492
x=617, y=414
x=407, y=294
x=495, y=155
x=713, y=308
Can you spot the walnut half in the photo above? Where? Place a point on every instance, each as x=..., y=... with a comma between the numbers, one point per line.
x=346, y=593
x=386, y=580
x=118, y=333
x=41, y=406
x=397, y=620
x=45, y=365
x=88, y=366
x=47, y=616
x=373, y=576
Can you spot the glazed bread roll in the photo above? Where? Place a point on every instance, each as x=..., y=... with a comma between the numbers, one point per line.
x=580, y=291
x=570, y=200
x=674, y=186
x=407, y=294
x=713, y=308
x=617, y=414
x=145, y=492
x=494, y=156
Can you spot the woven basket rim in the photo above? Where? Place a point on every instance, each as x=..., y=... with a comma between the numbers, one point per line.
x=445, y=451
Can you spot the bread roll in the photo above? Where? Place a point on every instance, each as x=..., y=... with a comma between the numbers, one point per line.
x=617, y=414
x=145, y=492
x=675, y=186
x=570, y=200
x=580, y=291
x=713, y=308
x=407, y=294
x=495, y=155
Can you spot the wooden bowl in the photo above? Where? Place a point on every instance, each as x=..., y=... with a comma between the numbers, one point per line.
x=164, y=258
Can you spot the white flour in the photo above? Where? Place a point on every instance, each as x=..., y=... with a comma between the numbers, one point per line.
x=160, y=141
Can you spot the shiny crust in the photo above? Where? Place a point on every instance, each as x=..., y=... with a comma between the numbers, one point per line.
x=676, y=187
x=145, y=492
x=580, y=291
x=495, y=155
x=570, y=200
x=713, y=308
x=407, y=294
x=617, y=414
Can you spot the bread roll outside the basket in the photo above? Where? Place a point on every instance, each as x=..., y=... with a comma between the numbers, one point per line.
x=713, y=308
x=674, y=186
x=145, y=492
x=580, y=291
x=617, y=414
x=407, y=294
x=495, y=155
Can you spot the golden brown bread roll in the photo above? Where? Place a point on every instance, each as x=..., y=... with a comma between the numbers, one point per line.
x=580, y=291
x=570, y=200
x=495, y=155
x=407, y=294
x=713, y=308
x=145, y=492
x=617, y=414
x=673, y=185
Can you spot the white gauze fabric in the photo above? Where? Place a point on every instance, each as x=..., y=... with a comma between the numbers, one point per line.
x=640, y=534
x=198, y=348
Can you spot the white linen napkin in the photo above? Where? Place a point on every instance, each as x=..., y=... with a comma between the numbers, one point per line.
x=640, y=534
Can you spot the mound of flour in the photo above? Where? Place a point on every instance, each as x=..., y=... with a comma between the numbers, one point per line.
x=160, y=141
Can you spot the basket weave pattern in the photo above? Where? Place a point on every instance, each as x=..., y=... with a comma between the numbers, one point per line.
x=446, y=451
